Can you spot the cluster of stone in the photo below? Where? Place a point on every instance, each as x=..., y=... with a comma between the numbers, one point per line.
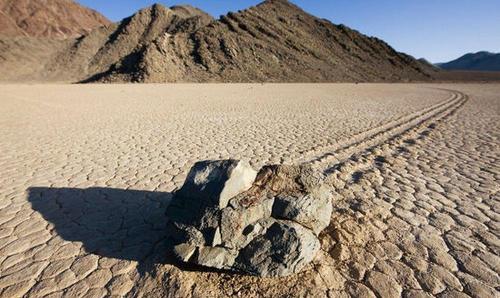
x=228, y=216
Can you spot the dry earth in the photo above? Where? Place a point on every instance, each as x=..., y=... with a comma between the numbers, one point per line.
x=86, y=173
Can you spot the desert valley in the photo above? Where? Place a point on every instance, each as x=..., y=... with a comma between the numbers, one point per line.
x=364, y=172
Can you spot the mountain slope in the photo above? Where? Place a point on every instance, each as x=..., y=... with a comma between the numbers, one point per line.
x=8, y=26
x=274, y=41
x=47, y=18
x=481, y=61
x=119, y=47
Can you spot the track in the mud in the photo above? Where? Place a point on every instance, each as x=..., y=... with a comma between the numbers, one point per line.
x=390, y=133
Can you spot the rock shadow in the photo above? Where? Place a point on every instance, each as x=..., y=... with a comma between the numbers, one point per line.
x=114, y=223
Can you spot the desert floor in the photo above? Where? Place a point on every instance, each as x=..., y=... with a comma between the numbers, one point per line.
x=86, y=172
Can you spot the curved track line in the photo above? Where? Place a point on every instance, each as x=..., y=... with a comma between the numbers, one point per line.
x=340, y=152
x=312, y=154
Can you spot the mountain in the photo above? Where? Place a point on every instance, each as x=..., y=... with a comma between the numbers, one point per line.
x=274, y=41
x=119, y=48
x=427, y=66
x=480, y=61
x=58, y=19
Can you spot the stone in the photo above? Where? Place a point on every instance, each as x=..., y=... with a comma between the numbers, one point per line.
x=218, y=181
x=312, y=211
x=238, y=226
x=216, y=257
x=228, y=216
x=285, y=249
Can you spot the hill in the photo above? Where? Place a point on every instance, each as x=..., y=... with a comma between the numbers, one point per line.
x=274, y=41
x=480, y=61
x=47, y=18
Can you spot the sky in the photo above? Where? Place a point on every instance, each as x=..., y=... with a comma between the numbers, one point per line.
x=438, y=30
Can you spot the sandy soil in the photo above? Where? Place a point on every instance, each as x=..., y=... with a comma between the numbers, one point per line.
x=86, y=173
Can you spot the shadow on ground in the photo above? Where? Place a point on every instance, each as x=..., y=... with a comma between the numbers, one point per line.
x=115, y=223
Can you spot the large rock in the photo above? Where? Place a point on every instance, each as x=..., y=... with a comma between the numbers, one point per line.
x=227, y=216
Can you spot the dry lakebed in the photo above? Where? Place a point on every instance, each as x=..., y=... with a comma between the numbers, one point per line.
x=87, y=173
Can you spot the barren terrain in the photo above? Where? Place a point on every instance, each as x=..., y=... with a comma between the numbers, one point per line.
x=55, y=19
x=86, y=172
x=275, y=41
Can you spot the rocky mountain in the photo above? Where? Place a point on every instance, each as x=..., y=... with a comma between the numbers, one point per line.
x=274, y=41
x=480, y=61
x=47, y=18
x=428, y=67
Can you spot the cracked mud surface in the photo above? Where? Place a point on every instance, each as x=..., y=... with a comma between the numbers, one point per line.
x=86, y=173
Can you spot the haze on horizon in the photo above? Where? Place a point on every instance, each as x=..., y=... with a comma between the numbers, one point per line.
x=438, y=31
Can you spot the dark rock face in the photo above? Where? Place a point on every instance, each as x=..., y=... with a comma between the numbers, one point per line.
x=227, y=217
x=284, y=249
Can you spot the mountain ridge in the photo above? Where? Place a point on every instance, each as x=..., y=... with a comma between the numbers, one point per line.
x=479, y=61
x=274, y=41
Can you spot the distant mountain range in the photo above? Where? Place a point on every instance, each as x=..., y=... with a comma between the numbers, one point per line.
x=275, y=41
x=480, y=61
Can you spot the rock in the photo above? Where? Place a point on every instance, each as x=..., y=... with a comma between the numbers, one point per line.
x=184, y=251
x=227, y=216
x=238, y=224
x=284, y=249
x=216, y=257
x=218, y=181
x=310, y=211
x=195, y=208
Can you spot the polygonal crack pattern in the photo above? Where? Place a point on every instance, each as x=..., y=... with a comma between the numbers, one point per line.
x=414, y=217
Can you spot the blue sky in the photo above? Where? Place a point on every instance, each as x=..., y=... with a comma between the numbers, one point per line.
x=438, y=30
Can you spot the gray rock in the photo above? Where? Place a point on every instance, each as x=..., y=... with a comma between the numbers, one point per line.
x=216, y=257
x=234, y=222
x=267, y=224
x=284, y=249
x=312, y=210
x=216, y=182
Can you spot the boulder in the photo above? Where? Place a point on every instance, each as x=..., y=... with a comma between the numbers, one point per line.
x=228, y=216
